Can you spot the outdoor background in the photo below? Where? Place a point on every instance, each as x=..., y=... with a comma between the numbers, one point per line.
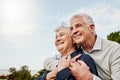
x=27, y=27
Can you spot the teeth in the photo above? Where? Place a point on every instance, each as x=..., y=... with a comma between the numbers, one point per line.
x=77, y=36
x=60, y=43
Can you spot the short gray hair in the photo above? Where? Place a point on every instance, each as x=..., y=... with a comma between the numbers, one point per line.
x=88, y=19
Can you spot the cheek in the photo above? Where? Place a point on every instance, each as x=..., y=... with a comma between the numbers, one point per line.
x=55, y=43
x=71, y=35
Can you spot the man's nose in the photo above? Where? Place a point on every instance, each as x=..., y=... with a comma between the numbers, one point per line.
x=74, y=31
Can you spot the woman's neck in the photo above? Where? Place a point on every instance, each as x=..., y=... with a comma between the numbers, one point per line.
x=68, y=52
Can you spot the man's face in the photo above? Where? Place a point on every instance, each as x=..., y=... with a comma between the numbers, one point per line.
x=63, y=40
x=80, y=31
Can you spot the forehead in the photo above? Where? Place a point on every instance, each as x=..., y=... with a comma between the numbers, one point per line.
x=76, y=20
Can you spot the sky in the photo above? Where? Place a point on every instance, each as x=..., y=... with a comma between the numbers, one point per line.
x=27, y=27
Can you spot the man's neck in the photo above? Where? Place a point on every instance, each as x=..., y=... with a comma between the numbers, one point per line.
x=88, y=45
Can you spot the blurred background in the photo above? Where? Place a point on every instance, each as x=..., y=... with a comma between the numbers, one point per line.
x=27, y=27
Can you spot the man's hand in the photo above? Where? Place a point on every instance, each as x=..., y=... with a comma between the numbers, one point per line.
x=80, y=70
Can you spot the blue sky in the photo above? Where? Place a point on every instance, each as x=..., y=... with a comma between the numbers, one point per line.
x=27, y=27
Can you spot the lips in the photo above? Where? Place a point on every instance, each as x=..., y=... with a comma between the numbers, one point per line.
x=77, y=36
x=59, y=43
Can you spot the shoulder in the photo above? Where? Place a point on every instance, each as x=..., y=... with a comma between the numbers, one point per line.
x=50, y=63
x=86, y=56
x=104, y=41
x=111, y=45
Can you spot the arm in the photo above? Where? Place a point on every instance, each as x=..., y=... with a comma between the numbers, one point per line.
x=48, y=75
x=64, y=74
x=51, y=75
x=80, y=70
x=90, y=63
x=63, y=70
x=51, y=63
x=96, y=77
x=115, y=65
x=43, y=76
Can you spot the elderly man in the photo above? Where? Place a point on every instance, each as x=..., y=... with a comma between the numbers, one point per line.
x=105, y=53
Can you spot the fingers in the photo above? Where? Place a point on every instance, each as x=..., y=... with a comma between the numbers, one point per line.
x=72, y=64
x=64, y=62
x=75, y=58
x=83, y=63
x=68, y=58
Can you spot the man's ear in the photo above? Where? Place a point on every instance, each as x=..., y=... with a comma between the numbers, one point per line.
x=92, y=27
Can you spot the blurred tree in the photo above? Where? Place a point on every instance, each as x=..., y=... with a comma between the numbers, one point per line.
x=22, y=74
x=114, y=36
x=39, y=73
x=13, y=73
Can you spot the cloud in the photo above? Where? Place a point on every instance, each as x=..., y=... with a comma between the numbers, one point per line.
x=105, y=16
x=16, y=34
x=16, y=30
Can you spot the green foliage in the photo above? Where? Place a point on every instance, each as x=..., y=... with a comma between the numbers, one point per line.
x=39, y=73
x=114, y=36
x=22, y=74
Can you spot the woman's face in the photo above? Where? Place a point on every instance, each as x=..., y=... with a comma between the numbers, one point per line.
x=63, y=40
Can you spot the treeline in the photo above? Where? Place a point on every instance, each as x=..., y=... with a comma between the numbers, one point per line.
x=114, y=36
x=23, y=74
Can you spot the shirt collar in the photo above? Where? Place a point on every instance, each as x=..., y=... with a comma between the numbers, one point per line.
x=97, y=45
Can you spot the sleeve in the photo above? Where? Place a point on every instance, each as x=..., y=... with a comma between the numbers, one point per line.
x=115, y=64
x=64, y=75
x=50, y=63
x=90, y=62
x=96, y=77
x=43, y=76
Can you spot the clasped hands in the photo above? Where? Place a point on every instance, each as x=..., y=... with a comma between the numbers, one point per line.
x=77, y=68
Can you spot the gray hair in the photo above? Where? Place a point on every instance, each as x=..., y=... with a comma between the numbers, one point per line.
x=88, y=19
x=63, y=26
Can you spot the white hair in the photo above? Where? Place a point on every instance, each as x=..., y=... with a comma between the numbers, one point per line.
x=88, y=19
x=63, y=26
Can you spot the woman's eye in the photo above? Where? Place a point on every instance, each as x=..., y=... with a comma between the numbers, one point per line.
x=61, y=34
x=71, y=28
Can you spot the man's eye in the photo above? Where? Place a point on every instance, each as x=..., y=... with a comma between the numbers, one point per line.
x=71, y=28
x=78, y=25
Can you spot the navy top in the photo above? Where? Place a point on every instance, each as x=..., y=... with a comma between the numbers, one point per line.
x=65, y=74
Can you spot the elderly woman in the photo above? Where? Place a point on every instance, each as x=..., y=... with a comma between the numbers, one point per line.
x=67, y=49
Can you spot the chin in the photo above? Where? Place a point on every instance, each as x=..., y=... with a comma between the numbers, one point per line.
x=78, y=42
x=59, y=49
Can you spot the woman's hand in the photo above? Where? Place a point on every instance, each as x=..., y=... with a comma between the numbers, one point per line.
x=64, y=62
